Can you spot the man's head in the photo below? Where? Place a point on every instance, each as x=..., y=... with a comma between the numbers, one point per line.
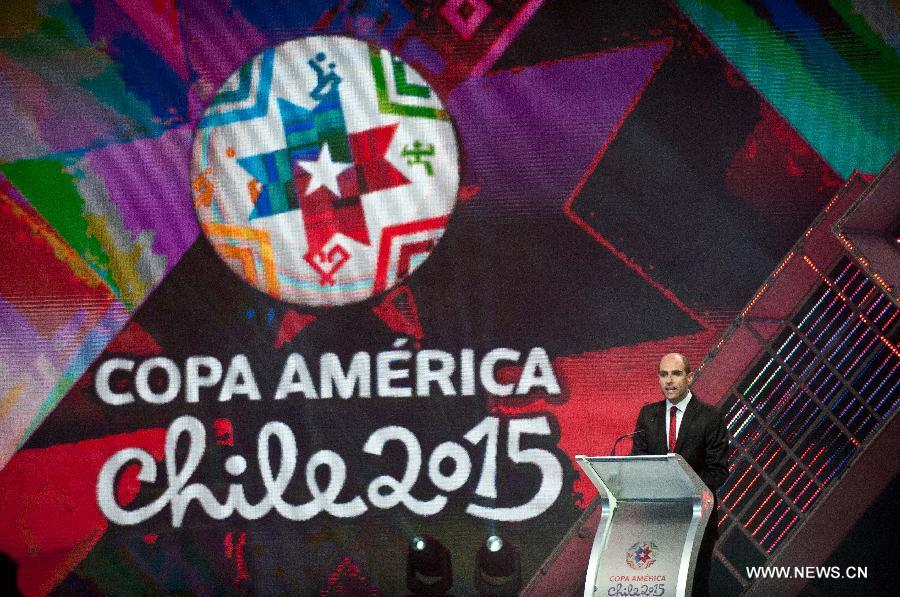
x=675, y=377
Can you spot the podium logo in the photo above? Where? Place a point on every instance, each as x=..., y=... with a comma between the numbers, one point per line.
x=641, y=556
x=324, y=171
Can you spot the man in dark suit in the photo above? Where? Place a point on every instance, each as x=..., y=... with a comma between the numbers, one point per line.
x=683, y=424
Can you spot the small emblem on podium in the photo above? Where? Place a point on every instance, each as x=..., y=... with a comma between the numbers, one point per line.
x=641, y=556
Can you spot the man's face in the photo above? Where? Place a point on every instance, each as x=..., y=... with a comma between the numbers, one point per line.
x=673, y=380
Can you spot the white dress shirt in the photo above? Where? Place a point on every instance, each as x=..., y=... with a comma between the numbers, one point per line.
x=679, y=415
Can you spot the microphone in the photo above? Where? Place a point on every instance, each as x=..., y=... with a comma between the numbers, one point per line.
x=620, y=438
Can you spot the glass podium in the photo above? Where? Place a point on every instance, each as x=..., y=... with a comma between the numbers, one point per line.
x=654, y=512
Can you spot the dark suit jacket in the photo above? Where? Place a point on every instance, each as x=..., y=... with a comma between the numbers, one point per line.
x=702, y=440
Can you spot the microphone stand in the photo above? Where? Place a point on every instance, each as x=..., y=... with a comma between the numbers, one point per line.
x=620, y=438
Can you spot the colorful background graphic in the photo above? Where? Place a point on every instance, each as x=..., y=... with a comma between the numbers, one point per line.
x=636, y=178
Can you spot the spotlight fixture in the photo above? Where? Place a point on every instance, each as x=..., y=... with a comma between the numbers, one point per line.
x=494, y=543
x=499, y=568
x=418, y=543
x=428, y=567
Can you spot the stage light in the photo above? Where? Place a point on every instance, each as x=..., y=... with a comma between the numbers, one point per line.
x=428, y=567
x=494, y=543
x=499, y=568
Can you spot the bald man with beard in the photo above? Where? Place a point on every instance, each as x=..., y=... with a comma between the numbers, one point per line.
x=695, y=430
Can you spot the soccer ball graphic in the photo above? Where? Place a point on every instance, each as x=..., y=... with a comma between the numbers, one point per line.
x=324, y=171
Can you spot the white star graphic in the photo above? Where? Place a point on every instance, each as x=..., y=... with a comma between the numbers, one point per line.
x=324, y=171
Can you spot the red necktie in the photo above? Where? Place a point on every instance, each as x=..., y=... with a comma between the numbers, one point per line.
x=672, y=429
